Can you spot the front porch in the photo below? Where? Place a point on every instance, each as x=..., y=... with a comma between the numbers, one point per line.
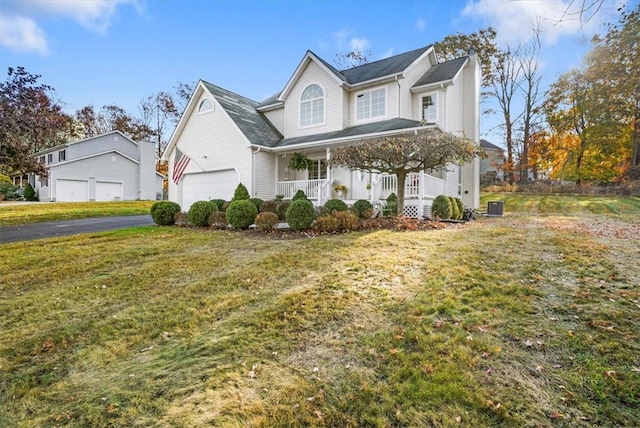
x=420, y=189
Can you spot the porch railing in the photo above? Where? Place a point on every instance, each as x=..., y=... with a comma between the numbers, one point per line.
x=311, y=188
x=432, y=186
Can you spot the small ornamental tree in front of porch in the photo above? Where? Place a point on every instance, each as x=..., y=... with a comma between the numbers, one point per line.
x=241, y=193
x=424, y=151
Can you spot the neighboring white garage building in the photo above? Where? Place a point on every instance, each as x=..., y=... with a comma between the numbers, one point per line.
x=109, y=167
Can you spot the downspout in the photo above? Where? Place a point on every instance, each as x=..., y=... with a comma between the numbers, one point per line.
x=444, y=107
x=253, y=172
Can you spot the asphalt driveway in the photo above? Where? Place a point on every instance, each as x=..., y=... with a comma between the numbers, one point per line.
x=50, y=229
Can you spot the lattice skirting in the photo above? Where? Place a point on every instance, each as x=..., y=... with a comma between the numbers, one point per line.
x=412, y=211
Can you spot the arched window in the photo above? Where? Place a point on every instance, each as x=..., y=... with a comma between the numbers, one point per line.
x=312, y=106
x=205, y=105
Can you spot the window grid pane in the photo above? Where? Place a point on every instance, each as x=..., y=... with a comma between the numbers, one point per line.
x=363, y=104
x=312, y=106
x=377, y=103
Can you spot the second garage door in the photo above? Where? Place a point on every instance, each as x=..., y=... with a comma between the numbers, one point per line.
x=108, y=191
x=205, y=186
x=72, y=190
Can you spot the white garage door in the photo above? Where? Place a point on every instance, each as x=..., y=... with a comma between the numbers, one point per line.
x=106, y=191
x=205, y=186
x=72, y=190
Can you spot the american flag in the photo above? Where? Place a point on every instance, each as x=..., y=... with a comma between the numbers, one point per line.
x=179, y=165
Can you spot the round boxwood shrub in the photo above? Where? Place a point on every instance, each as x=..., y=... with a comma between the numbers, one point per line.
x=257, y=202
x=336, y=205
x=455, y=212
x=241, y=193
x=391, y=207
x=163, y=212
x=29, y=193
x=268, y=207
x=441, y=207
x=199, y=213
x=362, y=206
x=299, y=195
x=267, y=221
x=241, y=214
x=219, y=203
x=282, y=209
x=300, y=215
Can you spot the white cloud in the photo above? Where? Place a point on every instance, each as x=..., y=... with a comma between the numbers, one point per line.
x=421, y=24
x=19, y=24
x=515, y=21
x=22, y=34
x=359, y=44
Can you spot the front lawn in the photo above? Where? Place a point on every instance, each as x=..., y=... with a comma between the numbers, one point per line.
x=11, y=215
x=512, y=321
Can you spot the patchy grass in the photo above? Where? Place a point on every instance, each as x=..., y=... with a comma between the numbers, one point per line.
x=11, y=215
x=513, y=321
x=564, y=204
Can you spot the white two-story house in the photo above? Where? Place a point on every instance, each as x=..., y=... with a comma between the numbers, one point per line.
x=107, y=167
x=224, y=138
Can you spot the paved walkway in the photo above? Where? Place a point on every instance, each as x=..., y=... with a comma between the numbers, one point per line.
x=50, y=229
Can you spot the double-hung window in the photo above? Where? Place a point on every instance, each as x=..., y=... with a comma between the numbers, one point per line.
x=430, y=108
x=312, y=106
x=371, y=104
x=62, y=155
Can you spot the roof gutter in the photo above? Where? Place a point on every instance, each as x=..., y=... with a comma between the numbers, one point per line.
x=340, y=140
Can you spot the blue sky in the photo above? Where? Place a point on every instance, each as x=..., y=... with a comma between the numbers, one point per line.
x=120, y=51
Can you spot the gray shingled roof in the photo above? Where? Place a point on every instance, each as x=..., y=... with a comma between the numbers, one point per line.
x=487, y=145
x=242, y=111
x=441, y=72
x=353, y=131
x=273, y=99
x=384, y=67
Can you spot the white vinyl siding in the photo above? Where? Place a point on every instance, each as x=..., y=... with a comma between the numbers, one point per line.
x=371, y=104
x=265, y=165
x=213, y=142
x=276, y=117
x=314, y=74
x=407, y=107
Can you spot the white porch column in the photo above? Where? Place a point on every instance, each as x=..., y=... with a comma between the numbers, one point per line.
x=421, y=194
x=276, y=174
x=327, y=188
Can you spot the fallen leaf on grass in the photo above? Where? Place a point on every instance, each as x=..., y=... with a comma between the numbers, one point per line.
x=469, y=338
x=318, y=414
x=393, y=351
x=555, y=415
x=528, y=343
x=635, y=369
x=570, y=333
x=458, y=419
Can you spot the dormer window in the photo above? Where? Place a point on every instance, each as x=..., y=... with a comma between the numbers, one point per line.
x=430, y=108
x=371, y=104
x=205, y=105
x=312, y=106
x=62, y=155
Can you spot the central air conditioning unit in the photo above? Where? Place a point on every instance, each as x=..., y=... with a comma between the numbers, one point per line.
x=495, y=208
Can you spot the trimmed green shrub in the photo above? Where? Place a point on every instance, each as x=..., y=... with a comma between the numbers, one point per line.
x=164, y=213
x=391, y=207
x=460, y=208
x=269, y=207
x=241, y=193
x=199, y=213
x=5, y=179
x=455, y=212
x=241, y=214
x=282, y=210
x=218, y=220
x=257, y=202
x=267, y=221
x=301, y=214
x=29, y=193
x=336, y=205
x=219, y=203
x=441, y=207
x=299, y=195
x=361, y=206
